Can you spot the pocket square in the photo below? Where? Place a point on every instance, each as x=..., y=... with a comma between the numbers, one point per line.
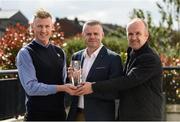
x=100, y=67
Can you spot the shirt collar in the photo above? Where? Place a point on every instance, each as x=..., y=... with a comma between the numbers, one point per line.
x=142, y=48
x=94, y=54
x=38, y=42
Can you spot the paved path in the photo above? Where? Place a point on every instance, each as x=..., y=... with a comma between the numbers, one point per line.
x=20, y=119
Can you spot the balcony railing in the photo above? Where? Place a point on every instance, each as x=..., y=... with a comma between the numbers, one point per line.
x=171, y=84
x=12, y=96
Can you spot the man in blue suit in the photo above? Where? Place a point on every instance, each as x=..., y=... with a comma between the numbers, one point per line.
x=98, y=64
x=140, y=87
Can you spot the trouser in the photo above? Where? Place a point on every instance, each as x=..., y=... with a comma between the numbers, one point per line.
x=80, y=116
x=49, y=116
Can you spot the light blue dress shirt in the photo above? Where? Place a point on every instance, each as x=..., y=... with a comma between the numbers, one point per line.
x=27, y=75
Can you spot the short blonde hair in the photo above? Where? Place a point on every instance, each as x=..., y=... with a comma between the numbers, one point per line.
x=41, y=13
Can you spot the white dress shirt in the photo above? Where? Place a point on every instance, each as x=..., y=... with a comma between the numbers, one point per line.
x=87, y=64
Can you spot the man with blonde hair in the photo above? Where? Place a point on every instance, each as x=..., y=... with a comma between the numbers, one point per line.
x=42, y=72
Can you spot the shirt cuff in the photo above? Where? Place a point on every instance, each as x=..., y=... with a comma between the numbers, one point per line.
x=52, y=89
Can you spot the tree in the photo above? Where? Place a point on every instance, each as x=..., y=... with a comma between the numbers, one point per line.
x=166, y=40
x=170, y=13
x=164, y=37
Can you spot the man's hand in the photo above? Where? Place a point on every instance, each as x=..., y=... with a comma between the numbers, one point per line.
x=74, y=75
x=70, y=72
x=69, y=88
x=85, y=88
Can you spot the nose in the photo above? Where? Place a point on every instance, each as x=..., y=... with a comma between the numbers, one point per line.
x=43, y=29
x=92, y=36
x=133, y=36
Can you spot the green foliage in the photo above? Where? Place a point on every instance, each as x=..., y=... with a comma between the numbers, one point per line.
x=170, y=12
x=166, y=41
x=77, y=43
x=163, y=37
x=116, y=44
x=123, y=57
x=73, y=45
x=120, y=32
x=117, y=41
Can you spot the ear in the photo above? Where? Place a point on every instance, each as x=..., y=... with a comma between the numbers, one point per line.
x=32, y=25
x=53, y=27
x=102, y=34
x=83, y=34
x=147, y=34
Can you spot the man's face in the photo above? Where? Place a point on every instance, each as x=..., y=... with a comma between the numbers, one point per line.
x=93, y=36
x=137, y=35
x=42, y=29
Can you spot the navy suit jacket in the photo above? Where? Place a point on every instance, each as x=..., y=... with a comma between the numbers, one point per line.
x=99, y=106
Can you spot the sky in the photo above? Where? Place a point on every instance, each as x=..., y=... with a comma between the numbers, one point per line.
x=106, y=11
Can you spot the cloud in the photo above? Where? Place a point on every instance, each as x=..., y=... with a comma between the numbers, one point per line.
x=109, y=11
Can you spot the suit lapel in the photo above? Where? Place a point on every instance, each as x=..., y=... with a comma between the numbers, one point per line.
x=79, y=56
x=130, y=64
x=131, y=61
x=97, y=61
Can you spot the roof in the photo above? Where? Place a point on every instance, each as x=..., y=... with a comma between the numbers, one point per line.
x=6, y=14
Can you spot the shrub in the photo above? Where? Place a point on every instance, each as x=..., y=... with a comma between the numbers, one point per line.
x=77, y=43
x=73, y=45
x=15, y=38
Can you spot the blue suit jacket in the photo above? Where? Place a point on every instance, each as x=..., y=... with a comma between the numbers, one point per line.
x=99, y=106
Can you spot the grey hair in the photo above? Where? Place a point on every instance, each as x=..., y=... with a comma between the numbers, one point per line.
x=91, y=23
x=137, y=20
